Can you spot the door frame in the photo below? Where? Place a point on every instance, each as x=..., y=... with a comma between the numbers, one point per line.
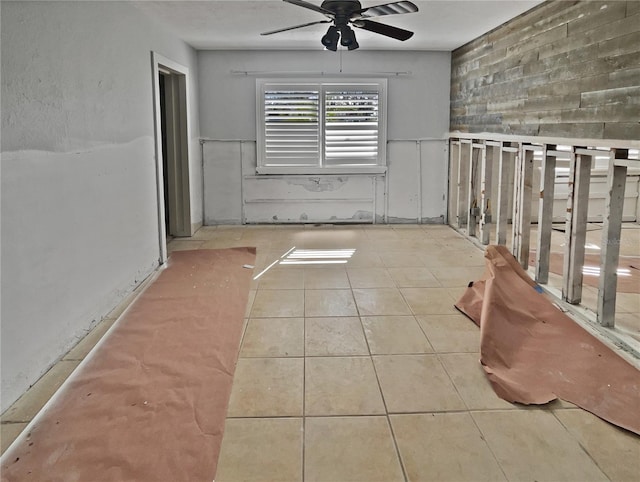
x=178, y=156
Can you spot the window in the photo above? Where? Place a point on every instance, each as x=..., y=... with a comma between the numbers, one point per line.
x=310, y=127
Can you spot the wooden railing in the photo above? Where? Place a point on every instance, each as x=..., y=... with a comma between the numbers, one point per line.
x=485, y=204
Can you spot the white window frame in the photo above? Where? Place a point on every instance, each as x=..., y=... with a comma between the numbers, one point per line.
x=380, y=165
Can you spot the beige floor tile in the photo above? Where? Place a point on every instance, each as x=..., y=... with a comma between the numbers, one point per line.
x=429, y=301
x=381, y=246
x=628, y=302
x=412, y=232
x=418, y=245
x=400, y=228
x=261, y=450
x=394, y=334
x=280, y=245
x=415, y=383
x=399, y=259
x=451, y=333
x=222, y=243
x=380, y=301
x=472, y=384
x=205, y=232
x=8, y=433
x=252, y=297
x=381, y=232
x=29, y=404
x=319, y=303
x=625, y=302
x=281, y=279
x=273, y=337
x=334, y=336
x=456, y=293
x=457, y=243
x=183, y=245
x=628, y=323
x=414, y=278
x=341, y=386
x=253, y=286
x=85, y=345
x=457, y=276
x=370, y=278
x=438, y=231
x=533, y=445
x=261, y=243
x=267, y=387
x=452, y=257
x=559, y=404
x=326, y=278
x=443, y=447
x=329, y=238
x=350, y=449
x=616, y=451
x=265, y=261
x=245, y=322
x=365, y=259
x=278, y=304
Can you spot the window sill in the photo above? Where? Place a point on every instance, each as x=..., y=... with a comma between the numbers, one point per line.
x=321, y=170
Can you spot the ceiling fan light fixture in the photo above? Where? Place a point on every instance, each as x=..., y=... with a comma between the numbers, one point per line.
x=348, y=38
x=330, y=39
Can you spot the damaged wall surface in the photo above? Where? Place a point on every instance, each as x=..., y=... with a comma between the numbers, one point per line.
x=414, y=187
x=564, y=69
x=79, y=197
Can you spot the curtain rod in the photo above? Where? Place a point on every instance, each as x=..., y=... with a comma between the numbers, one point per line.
x=316, y=73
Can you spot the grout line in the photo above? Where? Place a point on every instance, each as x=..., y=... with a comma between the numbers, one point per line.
x=384, y=402
x=386, y=415
x=577, y=441
x=304, y=375
x=484, y=438
x=468, y=411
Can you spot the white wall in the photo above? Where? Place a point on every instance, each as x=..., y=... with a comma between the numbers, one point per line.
x=418, y=121
x=79, y=200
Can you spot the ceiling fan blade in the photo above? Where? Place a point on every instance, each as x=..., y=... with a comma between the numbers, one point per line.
x=294, y=27
x=311, y=6
x=382, y=29
x=393, y=8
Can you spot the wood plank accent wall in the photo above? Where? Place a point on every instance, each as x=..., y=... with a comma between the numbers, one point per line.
x=563, y=69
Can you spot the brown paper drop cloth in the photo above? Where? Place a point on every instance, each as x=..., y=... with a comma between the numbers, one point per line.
x=533, y=353
x=150, y=401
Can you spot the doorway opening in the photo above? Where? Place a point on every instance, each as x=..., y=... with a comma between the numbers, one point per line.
x=172, y=150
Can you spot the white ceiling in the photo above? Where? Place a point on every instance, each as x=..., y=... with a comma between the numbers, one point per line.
x=237, y=24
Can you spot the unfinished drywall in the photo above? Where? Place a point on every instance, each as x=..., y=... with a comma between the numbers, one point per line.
x=417, y=125
x=79, y=199
x=564, y=69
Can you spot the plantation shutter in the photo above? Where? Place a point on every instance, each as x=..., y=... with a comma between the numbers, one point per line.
x=292, y=127
x=351, y=133
x=311, y=126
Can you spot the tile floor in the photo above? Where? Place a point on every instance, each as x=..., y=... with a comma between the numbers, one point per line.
x=364, y=371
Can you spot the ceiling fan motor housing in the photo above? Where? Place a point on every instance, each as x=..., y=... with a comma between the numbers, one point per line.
x=343, y=9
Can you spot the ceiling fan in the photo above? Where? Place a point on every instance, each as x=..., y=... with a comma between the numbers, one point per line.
x=343, y=13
